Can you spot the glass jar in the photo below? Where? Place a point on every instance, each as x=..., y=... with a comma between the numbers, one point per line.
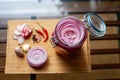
x=70, y=33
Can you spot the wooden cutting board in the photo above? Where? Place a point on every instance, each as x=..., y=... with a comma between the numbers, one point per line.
x=55, y=64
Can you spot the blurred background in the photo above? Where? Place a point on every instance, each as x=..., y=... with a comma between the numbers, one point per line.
x=55, y=8
x=105, y=51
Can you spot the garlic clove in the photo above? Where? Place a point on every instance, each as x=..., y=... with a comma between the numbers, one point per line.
x=26, y=47
x=19, y=51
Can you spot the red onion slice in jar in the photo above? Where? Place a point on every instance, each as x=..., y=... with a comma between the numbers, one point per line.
x=71, y=32
x=36, y=57
x=70, y=36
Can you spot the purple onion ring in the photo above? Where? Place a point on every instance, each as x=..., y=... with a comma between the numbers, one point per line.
x=36, y=57
x=70, y=32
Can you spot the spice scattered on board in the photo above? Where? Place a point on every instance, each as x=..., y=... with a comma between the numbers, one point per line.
x=36, y=38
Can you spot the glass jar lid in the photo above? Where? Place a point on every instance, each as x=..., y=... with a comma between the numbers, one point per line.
x=94, y=24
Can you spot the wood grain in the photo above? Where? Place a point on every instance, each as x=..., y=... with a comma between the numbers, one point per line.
x=94, y=75
x=105, y=51
x=104, y=44
x=55, y=64
x=106, y=66
x=106, y=37
x=14, y=76
x=105, y=59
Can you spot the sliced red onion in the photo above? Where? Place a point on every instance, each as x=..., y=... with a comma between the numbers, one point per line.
x=27, y=28
x=36, y=57
x=27, y=31
x=70, y=31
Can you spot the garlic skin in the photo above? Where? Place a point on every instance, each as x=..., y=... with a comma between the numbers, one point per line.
x=26, y=47
x=19, y=51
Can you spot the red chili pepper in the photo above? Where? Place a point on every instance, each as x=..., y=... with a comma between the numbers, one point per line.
x=39, y=32
x=45, y=31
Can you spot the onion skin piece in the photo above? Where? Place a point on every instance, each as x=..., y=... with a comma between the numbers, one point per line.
x=19, y=51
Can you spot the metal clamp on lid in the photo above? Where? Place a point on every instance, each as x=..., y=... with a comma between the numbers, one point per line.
x=53, y=42
x=95, y=24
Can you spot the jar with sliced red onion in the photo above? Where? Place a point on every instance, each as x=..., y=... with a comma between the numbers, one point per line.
x=71, y=32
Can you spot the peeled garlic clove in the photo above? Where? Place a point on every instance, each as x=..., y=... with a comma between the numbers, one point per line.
x=26, y=47
x=19, y=51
